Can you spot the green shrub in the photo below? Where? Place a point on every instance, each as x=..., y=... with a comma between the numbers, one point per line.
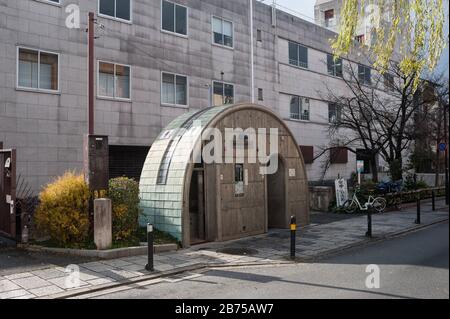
x=412, y=183
x=124, y=194
x=421, y=185
x=63, y=210
x=332, y=208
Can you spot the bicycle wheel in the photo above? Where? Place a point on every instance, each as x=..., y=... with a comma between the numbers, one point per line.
x=379, y=204
x=350, y=206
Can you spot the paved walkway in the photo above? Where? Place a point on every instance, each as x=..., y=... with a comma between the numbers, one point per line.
x=313, y=241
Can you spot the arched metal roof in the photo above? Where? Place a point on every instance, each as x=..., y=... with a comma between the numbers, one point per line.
x=163, y=176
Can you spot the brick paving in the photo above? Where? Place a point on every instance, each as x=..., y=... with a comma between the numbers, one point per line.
x=312, y=241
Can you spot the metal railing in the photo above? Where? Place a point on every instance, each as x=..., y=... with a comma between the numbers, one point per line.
x=412, y=196
x=396, y=199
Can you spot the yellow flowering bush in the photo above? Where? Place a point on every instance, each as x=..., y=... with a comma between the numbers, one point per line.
x=63, y=210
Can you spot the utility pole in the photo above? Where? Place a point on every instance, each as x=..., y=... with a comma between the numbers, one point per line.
x=252, y=57
x=91, y=59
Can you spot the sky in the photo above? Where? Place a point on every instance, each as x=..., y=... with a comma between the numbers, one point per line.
x=305, y=7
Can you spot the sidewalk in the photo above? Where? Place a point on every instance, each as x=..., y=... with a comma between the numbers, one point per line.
x=312, y=242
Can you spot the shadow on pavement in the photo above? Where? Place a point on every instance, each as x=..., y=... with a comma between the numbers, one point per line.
x=268, y=279
x=13, y=260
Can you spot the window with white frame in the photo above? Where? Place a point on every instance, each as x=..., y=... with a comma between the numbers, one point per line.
x=37, y=70
x=334, y=66
x=334, y=113
x=118, y=9
x=114, y=80
x=364, y=74
x=299, y=108
x=174, y=89
x=222, y=32
x=223, y=93
x=298, y=55
x=329, y=18
x=260, y=94
x=174, y=17
x=259, y=35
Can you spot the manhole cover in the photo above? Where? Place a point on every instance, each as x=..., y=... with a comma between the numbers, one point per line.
x=238, y=251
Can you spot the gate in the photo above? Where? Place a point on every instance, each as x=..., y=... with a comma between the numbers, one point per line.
x=8, y=193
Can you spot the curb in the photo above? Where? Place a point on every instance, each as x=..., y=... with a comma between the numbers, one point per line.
x=202, y=266
x=102, y=254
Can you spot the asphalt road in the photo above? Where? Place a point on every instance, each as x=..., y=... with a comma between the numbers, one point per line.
x=412, y=266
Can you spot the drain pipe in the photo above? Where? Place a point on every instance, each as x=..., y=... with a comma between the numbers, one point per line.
x=252, y=58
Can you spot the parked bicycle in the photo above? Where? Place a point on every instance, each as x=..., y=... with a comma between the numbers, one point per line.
x=377, y=203
x=392, y=192
x=390, y=187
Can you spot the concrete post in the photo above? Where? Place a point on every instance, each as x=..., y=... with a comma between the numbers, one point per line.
x=103, y=223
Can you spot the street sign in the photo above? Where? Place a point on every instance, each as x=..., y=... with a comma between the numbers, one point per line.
x=341, y=192
x=442, y=147
x=360, y=167
x=360, y=170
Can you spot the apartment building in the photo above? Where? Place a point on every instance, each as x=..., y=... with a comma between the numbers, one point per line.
x=327, y=14
x=156, y=60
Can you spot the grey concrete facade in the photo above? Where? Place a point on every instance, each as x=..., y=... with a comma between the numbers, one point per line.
x=47, y=128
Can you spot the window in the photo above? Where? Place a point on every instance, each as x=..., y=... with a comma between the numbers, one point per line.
x=127, y=161
x=360, y=39
x=339, y=155
x=260, y=95
x=239, y=180
x=174, y=89
x=163, y=171
x=37, y=70
x=329, y=18
x=389, y=81
x=334, y=113
x=114, y=80
x=259, y=35
x=118, y=9
x=51, y=1
x=222, y=32
x=298, y=55
x=308, y=153
x=299, y=108
x=364, y=155
x=174, y=18
x=364, y=74
x=238, y=173
x=223, y=93
x=334, y=66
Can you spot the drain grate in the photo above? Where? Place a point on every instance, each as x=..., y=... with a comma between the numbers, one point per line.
x=238, y=251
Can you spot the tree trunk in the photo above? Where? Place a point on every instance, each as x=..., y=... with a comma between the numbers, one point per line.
x=374, y=168
x=396, y=169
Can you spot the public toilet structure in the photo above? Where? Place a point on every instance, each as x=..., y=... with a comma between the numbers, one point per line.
x=199, y=201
